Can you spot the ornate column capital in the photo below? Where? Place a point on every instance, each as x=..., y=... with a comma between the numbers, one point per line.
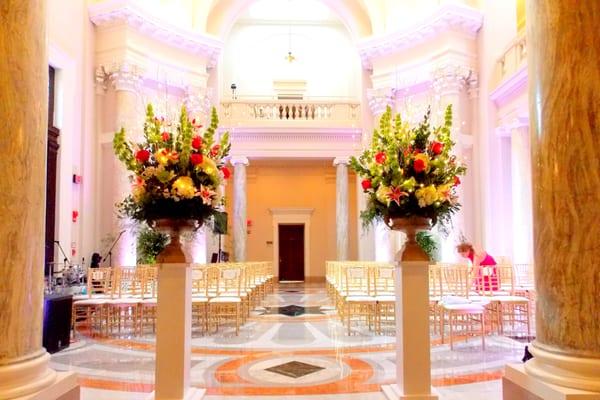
x=239, y=160
x=100, y=77
x=126, y=76
x=455, y=78
x=379, y=99
x=341, y=161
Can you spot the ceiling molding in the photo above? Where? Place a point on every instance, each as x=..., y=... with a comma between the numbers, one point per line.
x=448, y=17
x=116, y=12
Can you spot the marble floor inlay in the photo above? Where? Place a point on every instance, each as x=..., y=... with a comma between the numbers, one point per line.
x=293, y=345
x=294, y=369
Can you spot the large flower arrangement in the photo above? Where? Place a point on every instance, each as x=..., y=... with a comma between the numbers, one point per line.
x=410, y=171
x=177, y=170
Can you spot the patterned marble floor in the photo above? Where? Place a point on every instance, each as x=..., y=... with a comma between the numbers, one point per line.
x=295, y=346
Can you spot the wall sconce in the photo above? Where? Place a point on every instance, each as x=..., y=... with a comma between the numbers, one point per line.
x=75, y=215
x=248, y=226
x=233, y=87
x=77, y=179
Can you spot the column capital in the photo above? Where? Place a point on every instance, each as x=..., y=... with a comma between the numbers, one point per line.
x=455, y=78
x=100, y=77
x=197, y=99
x=126, y=76
x=239, y=160
x=341, y=160
x=379, y=99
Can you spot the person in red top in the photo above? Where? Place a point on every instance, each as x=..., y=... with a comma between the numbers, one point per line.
x=484, y=270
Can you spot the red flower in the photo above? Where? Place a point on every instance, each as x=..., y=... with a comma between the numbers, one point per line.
x=366, y=184
x=196, y=159
x=142, y=155
x=215, y=150
x=436, y=148
x=196, y=142
x=456, y=180
x=380, y=157
x=419, y=165
x=165, y=136
x=226, y=172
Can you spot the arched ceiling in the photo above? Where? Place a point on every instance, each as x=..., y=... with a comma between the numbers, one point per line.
x=222, y=15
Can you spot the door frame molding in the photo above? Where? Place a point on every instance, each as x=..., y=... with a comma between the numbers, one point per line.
x=289, y=215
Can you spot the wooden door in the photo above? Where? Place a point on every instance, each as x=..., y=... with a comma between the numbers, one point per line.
x=291, y=252
x=51, y=169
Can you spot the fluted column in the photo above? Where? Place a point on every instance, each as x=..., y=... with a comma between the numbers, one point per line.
x=341, y=208
x=521, y=195
x=564, y=103
x=457, y=85
x=239, y=207
x=126, y=79
x=23, y=106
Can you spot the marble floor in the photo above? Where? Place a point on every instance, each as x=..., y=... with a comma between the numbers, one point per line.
x=295, y=346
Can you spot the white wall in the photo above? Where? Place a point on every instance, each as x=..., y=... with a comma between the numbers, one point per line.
x=70, y=41
x=254, y=56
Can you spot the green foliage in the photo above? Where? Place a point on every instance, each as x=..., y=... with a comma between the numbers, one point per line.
x=428, y=244
x=149, y=244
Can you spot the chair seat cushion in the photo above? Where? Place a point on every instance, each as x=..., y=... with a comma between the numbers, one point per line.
x=225, y=299
x=199, y=299
x=465, y=307
x=388, y=298
x=510, y=299
x=90, y=302
x=361, y=299
x=126, y=301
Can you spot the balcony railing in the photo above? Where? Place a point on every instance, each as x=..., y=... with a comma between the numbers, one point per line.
x=512, y=60
x=254, y=112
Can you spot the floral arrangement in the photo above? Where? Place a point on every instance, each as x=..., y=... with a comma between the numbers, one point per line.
x=410, y=171
x=177, y=170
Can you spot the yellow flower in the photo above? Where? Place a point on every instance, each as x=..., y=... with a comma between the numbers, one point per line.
x=138, y=192
x=184, y=187
x=426, y=196
x=382, y=194
x=443, y=192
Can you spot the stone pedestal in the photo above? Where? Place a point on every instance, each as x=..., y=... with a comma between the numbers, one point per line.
x=239, y=208
x=565, y=113
x=174, y=334
x=341, y=208
x=413, y=365
x=24, y=371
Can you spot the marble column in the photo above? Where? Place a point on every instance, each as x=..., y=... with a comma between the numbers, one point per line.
x=126, y=79
x=521, y=195
x=239, y=207
x=341, y=208
x=564, y=94
x=23, y=105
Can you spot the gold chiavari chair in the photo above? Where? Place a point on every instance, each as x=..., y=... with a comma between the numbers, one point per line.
x=435, y=294
x=457, y=310
x=149, y=301
x=358, y=300
x=125, y=304
x=227, y=301
x=200, y=295
x=90, y=309
x=384, y=293
x=511, y=309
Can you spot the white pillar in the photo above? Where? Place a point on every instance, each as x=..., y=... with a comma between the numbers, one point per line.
x=457, y=85
x=239, y=207
x=521, y=195
x=126, y=79
x=341, y=208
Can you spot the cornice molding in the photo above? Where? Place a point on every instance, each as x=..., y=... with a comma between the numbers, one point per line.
x=510, y=87
x=115, y=12
x=448, y=17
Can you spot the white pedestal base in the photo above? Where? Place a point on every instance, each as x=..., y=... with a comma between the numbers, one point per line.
x=191, y=394
x=517, y=384
x=393, y=392
x=65, y=387
x=413, y=365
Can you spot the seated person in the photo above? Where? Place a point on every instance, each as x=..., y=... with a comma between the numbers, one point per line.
x=484, y=269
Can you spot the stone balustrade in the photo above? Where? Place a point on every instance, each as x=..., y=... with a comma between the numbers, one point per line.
x=284, y=113
x=512, y=60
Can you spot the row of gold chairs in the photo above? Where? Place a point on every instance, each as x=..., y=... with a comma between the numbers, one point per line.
x=462, y=298
x=126, y=297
